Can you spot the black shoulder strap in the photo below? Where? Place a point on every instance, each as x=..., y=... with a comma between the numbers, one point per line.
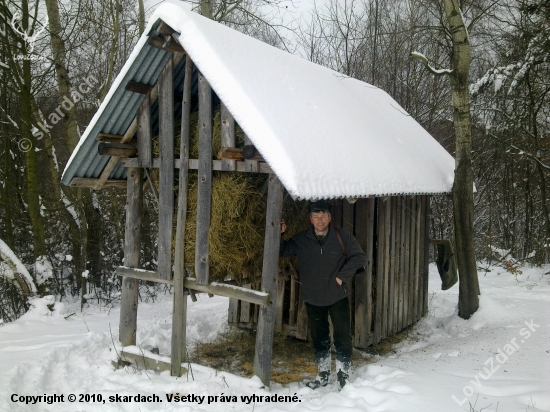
x=341, y=243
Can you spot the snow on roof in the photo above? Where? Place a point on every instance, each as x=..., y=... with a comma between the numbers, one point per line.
x=324, y=134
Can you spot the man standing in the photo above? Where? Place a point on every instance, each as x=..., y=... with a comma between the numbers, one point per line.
x=328, y=258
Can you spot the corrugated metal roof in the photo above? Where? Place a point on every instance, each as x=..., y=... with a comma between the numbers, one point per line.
x=121, y=110
x=297, y=114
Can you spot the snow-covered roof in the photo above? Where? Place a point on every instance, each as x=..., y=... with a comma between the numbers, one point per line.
x=325, y=135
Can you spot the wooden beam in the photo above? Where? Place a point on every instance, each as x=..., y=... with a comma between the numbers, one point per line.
x=140, y=88
x=107, y=137
x=165, y=29
x=114, y=159
x=179, y=317
x=92, y=183
x=234, y=153
x=144, y=134
x=270, y=269
x=204, y=198
x=116, y=149
x=214, y=288
x=194, y=165
x=143, y=359
x=166, y=171
x=167, y=44
x=132, y=248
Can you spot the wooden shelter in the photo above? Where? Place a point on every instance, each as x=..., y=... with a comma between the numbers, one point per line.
x=168, y=76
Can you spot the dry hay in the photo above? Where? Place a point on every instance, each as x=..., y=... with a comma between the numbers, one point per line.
x=292, y=359
x=237, y=226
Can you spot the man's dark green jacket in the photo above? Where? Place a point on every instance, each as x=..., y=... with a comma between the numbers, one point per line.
x=320, y=265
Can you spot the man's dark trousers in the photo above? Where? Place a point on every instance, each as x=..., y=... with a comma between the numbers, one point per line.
x=320, y=331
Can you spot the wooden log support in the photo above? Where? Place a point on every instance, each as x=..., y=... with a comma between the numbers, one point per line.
x=364, y=231
x=144, y=134
x=401, y=252
x=194, y=165
x=228, y=139
x=235, y=153
x=92, y=183
x=132, y=247
x=167, y=44
x=140, y=88
x=166, y=171
x=107, y=137
x=222, y=289
x=116, y=149
x=143, y=359
x=179, y=317
x=204, y=198
x=270, y=268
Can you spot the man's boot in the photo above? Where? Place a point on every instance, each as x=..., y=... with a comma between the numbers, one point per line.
x=320, y=380
x=323, y=374
x=342, y=373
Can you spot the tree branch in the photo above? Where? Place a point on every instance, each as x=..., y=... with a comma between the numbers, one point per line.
x=423, y=59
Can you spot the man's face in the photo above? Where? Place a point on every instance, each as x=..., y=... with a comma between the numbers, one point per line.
x=320, y=220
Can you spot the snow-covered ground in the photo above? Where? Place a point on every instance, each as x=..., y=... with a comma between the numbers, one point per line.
x=497, y=360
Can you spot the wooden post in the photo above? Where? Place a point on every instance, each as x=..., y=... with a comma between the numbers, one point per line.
x=401, y=274
x=412, y=255
x=270, y=268
x=419, y=254
x=166, y=170
x=406, y=268
x=132, y=247
x=380, y=235
x=144, y=140
x=204, y=198
x=426, y=264
x=387, y=224
x=179, y=314
x=228, y=135
x=279, y=307
x=363, y=282
x=392, y=272
x=292, y=308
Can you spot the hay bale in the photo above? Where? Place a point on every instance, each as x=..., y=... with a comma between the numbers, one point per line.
x=237, y=226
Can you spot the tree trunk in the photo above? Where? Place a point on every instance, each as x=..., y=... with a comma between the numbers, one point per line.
x=62, y=74
x=463, y=194
x=33, y=199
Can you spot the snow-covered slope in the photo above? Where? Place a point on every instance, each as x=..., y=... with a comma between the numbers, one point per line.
x=497, y=360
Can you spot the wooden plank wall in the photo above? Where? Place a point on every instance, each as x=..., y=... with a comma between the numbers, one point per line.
x=392, y=294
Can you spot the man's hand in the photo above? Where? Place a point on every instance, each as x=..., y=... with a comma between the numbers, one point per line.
x=283, y=226
x=339, y=281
